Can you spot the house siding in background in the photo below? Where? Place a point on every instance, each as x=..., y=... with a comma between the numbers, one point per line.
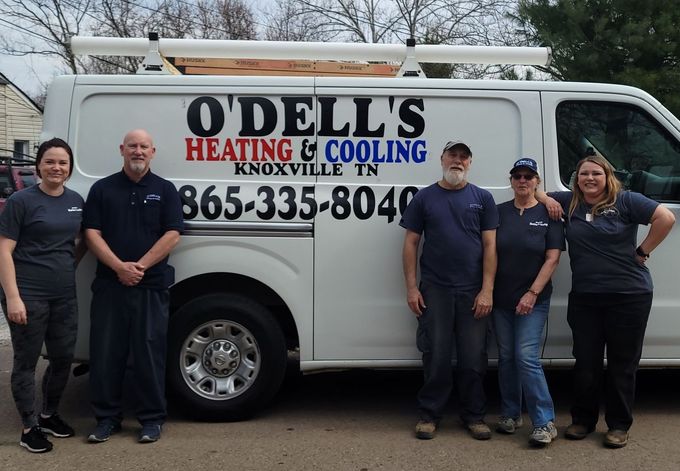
x=20, y=120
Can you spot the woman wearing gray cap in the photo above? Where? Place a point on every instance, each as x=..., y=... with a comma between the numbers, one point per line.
x=528, y=244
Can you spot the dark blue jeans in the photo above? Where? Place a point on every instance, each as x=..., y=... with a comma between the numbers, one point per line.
x=617, y=322
x=448, y=317
x=128, y=321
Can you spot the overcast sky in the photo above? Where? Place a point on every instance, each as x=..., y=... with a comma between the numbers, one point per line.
x=31, y=73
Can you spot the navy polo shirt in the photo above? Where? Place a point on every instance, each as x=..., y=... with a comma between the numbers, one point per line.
x=132, y=217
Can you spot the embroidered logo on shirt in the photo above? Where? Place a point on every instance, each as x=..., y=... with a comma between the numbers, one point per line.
x=539, y=223
x=476, y=206
x=75, y=209
x=153, y=197
x=608, y=212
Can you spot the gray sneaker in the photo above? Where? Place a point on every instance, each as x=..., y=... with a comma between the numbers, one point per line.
x=508, y=425
x=542, y=436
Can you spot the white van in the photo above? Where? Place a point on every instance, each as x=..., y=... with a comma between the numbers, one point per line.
x=292, y=191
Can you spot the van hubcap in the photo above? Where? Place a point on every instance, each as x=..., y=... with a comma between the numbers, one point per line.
x=220, y=360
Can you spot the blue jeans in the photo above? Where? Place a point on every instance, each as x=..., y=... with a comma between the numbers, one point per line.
x=449, y=316
x=519, y=365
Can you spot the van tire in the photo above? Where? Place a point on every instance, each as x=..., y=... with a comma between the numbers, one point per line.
x=226, y=357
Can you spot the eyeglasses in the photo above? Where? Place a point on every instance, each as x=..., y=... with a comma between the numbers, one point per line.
x=525, y=176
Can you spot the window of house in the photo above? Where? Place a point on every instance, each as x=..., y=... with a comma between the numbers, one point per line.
x=645, y=156
x=21, y=150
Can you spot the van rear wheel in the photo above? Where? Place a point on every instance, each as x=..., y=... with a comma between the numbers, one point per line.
x=226, y=357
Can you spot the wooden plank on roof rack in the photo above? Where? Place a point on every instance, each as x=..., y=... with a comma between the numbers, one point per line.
x=203, y=66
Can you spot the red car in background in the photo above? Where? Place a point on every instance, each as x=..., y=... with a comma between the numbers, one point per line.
x=15, y=176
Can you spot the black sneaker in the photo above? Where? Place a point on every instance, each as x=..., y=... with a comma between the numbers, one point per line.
x=103, y=431
x=35, y=441
x=150, y=433
x=56, y=426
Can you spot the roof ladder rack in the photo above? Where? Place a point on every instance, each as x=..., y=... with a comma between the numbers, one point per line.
x=153, y=62
x=154, y=49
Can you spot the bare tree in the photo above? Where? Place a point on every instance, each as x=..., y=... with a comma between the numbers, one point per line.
x=287, y=21
x=366, y=21
x=43, y=27
x=224, y=19
x=205, y=19
x=464, y=22
x=117, y=18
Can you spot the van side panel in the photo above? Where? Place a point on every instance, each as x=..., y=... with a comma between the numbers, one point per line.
x=56, y=119
x=388, y=143
x=224, y=146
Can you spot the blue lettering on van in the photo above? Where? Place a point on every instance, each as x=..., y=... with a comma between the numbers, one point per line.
x=375, y=151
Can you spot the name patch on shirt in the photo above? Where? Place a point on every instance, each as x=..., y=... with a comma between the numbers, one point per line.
x=539, y=223
x=75, y=209
x=153, y=197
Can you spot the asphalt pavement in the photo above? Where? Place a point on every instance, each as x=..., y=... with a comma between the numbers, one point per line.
x=355, y=421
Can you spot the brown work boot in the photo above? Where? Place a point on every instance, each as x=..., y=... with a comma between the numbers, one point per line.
x=425, y=430
x=615, y=438
x=479, y=430
x=577, y=431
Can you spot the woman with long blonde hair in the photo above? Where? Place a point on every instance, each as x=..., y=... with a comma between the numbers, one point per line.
x=611, y=294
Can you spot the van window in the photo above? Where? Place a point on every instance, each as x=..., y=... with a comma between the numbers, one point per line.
x=645, y=155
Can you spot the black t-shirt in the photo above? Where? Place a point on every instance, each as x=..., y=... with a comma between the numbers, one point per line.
x=45, y=228
x=132, y=217
x=521, y=242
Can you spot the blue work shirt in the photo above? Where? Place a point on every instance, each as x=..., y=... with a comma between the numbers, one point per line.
x=132, y=217
x=452, y=222
x=521, y=241
x=602, y=247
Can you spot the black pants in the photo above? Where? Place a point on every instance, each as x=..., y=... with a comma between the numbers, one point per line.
x=616, y=322
x=128, y=322
x=54, y=322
